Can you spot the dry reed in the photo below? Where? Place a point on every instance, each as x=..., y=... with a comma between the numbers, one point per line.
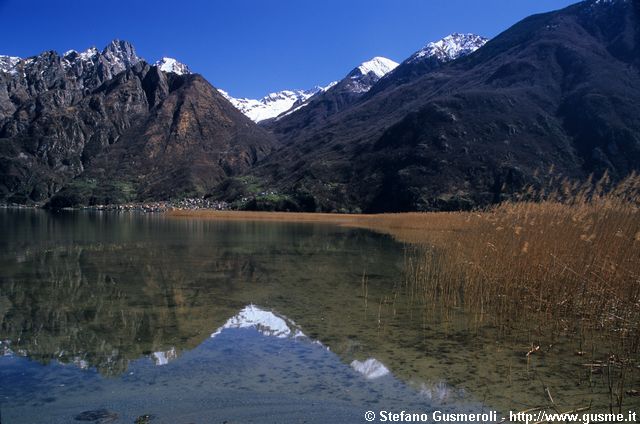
x=571, y=259
x=557, y=264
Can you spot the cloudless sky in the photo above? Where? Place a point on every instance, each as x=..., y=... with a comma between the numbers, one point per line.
x=252, y=47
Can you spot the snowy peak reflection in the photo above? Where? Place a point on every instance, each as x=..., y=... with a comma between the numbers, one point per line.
x=267, y=323
x=5, y=348
x=441, y=392
x=163, y=357
x=370, y=369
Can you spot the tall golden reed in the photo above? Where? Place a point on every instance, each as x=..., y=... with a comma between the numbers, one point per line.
x=563, y=261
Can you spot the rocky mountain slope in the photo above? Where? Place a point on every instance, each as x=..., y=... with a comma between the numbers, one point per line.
x=107, y=127
x=557, y=91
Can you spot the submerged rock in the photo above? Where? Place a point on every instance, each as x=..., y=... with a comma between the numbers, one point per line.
x=144, y=419
x=101, y=416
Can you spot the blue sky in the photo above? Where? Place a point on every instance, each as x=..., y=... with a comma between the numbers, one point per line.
x=252, y=47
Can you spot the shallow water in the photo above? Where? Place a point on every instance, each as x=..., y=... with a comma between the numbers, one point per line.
x=110, y=317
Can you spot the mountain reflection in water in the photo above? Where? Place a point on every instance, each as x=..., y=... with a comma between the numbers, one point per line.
x=138, y=311
x=146, y=313
x=107, y=289
x=255, y=368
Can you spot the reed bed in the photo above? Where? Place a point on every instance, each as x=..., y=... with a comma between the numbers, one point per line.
x=557, y=265
x=567, y=262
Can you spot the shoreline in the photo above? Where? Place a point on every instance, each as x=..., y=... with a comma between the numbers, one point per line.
x=405, y=227
x=160, y=206
x=264, y=215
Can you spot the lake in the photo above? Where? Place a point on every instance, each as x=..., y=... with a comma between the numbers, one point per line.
x=142, y=318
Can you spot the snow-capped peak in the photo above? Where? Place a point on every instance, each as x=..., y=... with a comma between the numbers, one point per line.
x=365, y=75
x=450, y=47
x=169, y=64
x=273, y=104
x=380, y=66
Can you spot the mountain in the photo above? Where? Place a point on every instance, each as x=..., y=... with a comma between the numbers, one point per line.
x=276, y=106
x=557, y=91
x=365, y=80
x=169, y=64
x=312, y=113
x=87, y=69
x=462, y=123
x=273, y=104
x=431, y=57
x=106, y=127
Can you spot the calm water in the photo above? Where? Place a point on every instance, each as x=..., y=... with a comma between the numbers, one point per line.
x=107, y=318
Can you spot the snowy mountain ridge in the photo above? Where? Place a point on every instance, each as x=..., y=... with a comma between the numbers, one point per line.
x=89, y=67
x=114, y=58
x=358, y=81
x=273, y=104
x=450, y=47
x=120, y=55
x=609, y=1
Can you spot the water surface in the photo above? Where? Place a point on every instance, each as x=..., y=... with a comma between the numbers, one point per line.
x=110, y=317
